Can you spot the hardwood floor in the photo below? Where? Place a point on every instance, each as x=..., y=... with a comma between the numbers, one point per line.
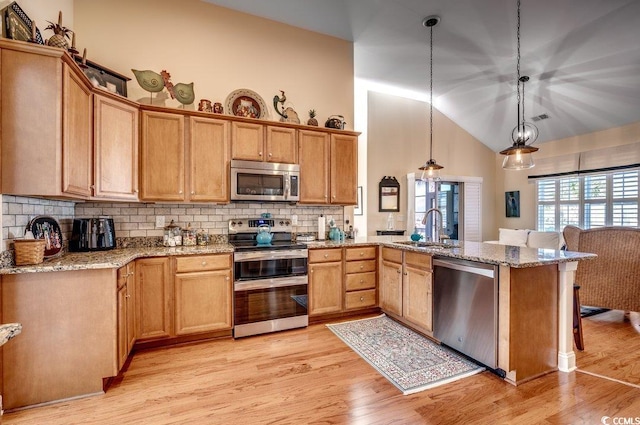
x=309, y=376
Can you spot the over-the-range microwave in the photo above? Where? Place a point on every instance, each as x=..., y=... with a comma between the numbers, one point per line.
x=264, y=181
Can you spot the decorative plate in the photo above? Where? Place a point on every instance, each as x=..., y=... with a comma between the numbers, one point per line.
x=246, y=103
x=47, y=228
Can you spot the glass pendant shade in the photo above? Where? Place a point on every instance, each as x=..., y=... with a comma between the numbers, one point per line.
x=431, y=170
x=518, y=161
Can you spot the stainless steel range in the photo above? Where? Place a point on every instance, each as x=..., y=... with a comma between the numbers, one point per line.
x=270, y=280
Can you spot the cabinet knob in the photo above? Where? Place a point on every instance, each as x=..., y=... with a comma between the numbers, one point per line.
x=361, y=267
x=204, y=263
x=180, y=192
x=259, y=153
x=361, y=298
x=227, y=278
x=270, y=155
x=399, y=272
x=326, y=255
x=193, y=192
x=311, y=270
x=135, y=191
x=361, y=280
x=405, y=273
x=362, y=254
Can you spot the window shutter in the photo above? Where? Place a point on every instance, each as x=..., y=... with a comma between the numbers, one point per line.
x=472, y=211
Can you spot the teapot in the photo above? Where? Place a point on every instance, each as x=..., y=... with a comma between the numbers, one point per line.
x=264, y=235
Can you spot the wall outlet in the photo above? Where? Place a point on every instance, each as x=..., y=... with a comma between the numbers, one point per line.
x=159, y=221
x=294, y=219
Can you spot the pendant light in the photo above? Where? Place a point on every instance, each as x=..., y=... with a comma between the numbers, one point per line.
x=518, y=156
x=431, y=169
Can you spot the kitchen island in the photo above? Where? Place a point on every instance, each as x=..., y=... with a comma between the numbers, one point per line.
x=77, y=294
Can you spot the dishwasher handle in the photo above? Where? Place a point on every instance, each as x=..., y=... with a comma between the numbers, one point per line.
x=466, y=266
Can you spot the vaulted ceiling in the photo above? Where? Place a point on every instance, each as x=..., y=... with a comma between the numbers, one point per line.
x=583, y=57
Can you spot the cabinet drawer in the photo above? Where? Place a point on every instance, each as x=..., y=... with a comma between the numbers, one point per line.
x=361, y=266
x=325, y=255
x=360, y=299
x=357, y=281
x=422, y=261
x=390, y=254
x=197, y=263
x=360, y=253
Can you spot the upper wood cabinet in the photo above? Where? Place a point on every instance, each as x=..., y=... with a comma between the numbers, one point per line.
x=115, y=143
x=328, y=168
x=162, y=156
x=46, y=123
x=257, y=142
x=208, y=160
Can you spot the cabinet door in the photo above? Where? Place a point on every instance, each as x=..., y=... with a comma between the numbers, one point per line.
x=77, y=142
x=115, y=145
x=209, y=160
x=344, y=169
x=391, y=288
x=153, y=298
x=203, y=301
x=281, y=145
x=313, y=155
x=123, y=352
x=161, y=157
x=325, y=288
x=131, y=306
x=247, y=141
x=418, y=297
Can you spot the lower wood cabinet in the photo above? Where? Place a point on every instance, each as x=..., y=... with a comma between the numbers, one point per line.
x=183, y=296
x=325, y=281
x=360, y=277
x=126, y=312
x=203, y=294
x=406, y=287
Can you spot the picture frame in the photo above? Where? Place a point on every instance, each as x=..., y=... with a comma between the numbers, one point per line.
x=17, y=25
x=389, y=194
x=358, y=209
x=512, y=203
x=104, y=78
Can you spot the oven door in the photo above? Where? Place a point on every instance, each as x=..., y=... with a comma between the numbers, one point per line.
x=269, y=305
x=267, y=264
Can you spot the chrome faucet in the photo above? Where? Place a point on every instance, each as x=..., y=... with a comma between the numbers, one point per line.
x=439, y=235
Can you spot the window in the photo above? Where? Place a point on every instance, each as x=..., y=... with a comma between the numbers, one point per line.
x=441, y=195
x=592, y=200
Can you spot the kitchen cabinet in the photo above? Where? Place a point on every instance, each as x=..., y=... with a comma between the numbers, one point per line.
x=46, y=117
x=154, y=290
x=208, y=160
x=325, y=281
x=328, y=168
x=257, y=142
x=126, y=312
x=406, y=287
x=162, y=154
x=360, y=277
x=203, y=294
x=164, y=147
x=115, y=142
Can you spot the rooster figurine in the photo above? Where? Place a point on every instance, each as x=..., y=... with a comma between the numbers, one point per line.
x=277, y=99
x=182, y=92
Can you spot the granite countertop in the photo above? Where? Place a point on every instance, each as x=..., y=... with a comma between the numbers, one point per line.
x=489, y=253
x=511, y=256
x=114, y=258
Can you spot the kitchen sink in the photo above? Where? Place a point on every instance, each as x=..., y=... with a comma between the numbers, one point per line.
x=433, y=245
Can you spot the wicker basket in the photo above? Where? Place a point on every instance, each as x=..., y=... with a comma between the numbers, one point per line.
x=29, y=251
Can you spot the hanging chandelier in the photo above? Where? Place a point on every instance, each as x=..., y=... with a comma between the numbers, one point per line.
x=431, y=169
x=518, y=156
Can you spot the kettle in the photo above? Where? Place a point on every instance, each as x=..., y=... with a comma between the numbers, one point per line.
x=264, y=235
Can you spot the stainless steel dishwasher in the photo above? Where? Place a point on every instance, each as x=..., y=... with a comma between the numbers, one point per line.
x=465, y=301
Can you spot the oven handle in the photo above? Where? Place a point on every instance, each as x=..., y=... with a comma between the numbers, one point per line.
x=270, y=255
x=270, y=283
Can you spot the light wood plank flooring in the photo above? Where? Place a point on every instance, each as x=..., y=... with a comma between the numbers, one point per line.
x=309, y=376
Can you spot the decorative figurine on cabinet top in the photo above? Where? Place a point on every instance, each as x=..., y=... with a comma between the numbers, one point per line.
x=312, y=118
x=61, y=34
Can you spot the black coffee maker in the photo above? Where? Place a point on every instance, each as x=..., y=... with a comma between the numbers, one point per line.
x=92, y=234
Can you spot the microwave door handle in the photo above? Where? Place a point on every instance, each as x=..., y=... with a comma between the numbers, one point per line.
x=287, y=185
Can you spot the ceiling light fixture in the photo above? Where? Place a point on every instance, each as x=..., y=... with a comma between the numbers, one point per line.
x=431, y=168
x=518, y=156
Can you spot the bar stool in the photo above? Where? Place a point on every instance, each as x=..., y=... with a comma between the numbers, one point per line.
x=577, y=319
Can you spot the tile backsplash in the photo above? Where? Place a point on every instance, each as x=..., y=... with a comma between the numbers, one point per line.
x=135, y=220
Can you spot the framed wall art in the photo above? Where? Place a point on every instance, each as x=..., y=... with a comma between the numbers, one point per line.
x=389, y=194
x=512, y=203
x=358, y=209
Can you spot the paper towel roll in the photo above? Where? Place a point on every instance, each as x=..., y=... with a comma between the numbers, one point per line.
x=321, y=228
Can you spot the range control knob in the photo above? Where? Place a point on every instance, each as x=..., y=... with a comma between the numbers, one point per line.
x=233, y=223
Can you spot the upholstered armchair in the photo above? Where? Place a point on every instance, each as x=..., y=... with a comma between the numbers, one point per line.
x=612, y=280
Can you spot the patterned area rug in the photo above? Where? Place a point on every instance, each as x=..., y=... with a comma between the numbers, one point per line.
x=407, y=359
